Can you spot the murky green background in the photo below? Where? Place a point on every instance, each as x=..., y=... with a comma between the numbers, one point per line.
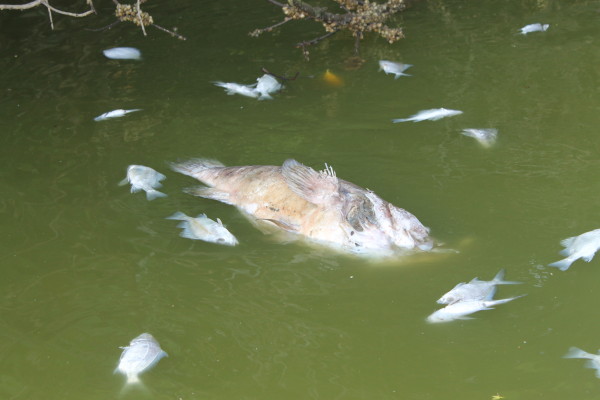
x=86, y=265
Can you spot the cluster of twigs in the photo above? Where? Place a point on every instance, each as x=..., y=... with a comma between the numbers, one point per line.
x=357, y=17
x=124, y=13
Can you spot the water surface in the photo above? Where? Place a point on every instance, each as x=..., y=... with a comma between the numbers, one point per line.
x=87, y=266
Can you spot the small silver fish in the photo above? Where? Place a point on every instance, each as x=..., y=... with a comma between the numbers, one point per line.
x=235, y=88
x=475, y=290
x=266, y=85
x=142, y=354
x=461, y=309
x=583, y=246
x=115, y=114
x=534, y=28
x=144, y=178
x=123, y=53
x=204, y=228
x=486, y=137
x=433, y=115
x=594, y=359
x=395, y=68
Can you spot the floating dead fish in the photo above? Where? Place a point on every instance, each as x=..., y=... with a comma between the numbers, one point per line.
x=486, y=137
x=593, y=359
x=534, y=28
x=433, y=115
x=142, y=354
x=583, y=246
x=236, y=88
x=461, y=309
x=115, y=114
x=123, y=53
x=204, y=228
x=475, y=290
x=267, y=85
x=308, y=204
x=332, y=79
x=395, y=68
x=144, y=178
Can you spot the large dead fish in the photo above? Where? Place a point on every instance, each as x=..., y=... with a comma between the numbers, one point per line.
x=315, y=205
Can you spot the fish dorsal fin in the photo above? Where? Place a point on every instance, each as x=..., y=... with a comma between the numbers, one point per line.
x=315, y=187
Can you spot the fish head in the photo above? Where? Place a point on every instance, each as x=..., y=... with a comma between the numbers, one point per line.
x=378, y=225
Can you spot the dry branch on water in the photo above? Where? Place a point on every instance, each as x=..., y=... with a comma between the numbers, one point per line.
x=357, y=16
x=124, y=13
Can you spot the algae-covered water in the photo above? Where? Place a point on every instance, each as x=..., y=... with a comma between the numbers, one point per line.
x=87, y=266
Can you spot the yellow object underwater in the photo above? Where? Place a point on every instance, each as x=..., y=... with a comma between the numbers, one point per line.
x=332, y=79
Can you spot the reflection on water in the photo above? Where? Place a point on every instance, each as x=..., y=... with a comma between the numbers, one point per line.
x=87, y=265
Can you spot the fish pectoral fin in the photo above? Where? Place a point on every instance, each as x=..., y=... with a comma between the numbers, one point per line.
x=315, y=187
x=281, y=224
x=209, y=193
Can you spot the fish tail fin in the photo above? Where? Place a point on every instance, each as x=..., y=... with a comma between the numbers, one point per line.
x=568, y=241
x=395, y=121
x=563, y=265
x=195, y=166
x=124, y=182
x=499, y=279
x=502, y=301
x=178, y=216
x=575, y=352
x=154, y=194
x=209, y=193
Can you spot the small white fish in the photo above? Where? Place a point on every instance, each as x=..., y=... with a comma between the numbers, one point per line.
x=534, y=28
x=142, y=354
x=115, y=114
x=486, y=137
x=266, y=85
x=144, y=178
x=235, y=88
x=123, y=53
x=461, y=309
x=396, y=68
x=594, y=359
x=576, y=247
x=475, y=290
x=204, y=228
x=433, y=115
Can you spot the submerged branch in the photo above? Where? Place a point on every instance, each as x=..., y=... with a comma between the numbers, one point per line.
x=357, y=16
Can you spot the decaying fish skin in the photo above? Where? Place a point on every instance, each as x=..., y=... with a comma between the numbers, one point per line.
x=204, y=228
x=593, y=359
x=142, y=354
x=395, y=68
x=314, y=205
x=144, y=178
x=476, y=289
x=583, y=246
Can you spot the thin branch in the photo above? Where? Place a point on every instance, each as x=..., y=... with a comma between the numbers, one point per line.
x=70, y=14
x=104, y=27
x=174, y=34
x=276, y=3
x=283, y=78
x=315, y=40
x=139, y=15
x=25, y=6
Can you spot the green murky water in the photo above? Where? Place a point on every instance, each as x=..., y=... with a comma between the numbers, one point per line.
x=86, y=266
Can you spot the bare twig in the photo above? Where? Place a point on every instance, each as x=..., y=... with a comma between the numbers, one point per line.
x=315, y=40
x=283, y=78
x=139, y=15
x=174, y=34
